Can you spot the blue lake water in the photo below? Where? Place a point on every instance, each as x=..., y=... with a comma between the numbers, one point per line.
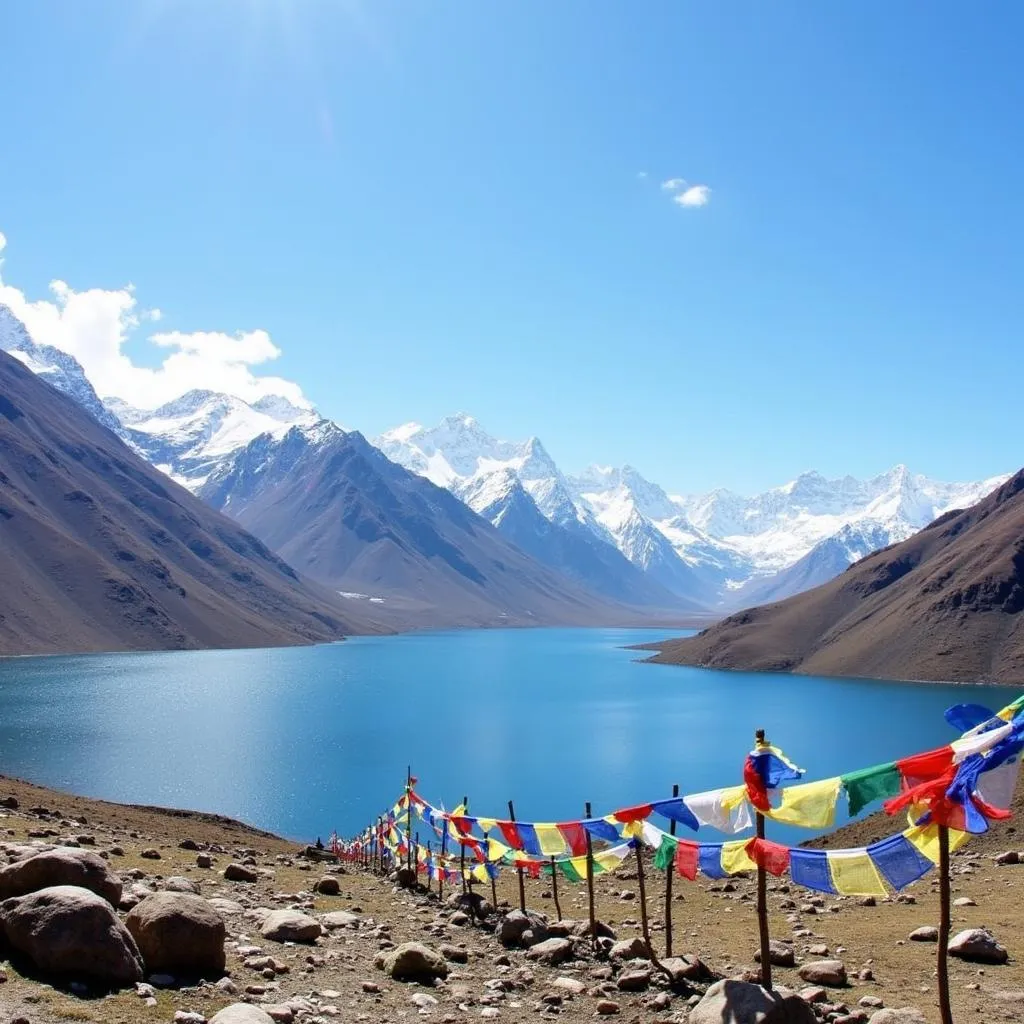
x=306, y=740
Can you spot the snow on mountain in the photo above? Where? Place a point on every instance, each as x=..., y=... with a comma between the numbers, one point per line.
x=57, y=368
x=192, y=435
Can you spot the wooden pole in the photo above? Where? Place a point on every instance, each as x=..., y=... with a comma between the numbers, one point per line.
x=762, y=900
x=945, y=1011
x=554, y=888
x=416, y=859
x=444, y=853
x=590, y=878
x=668, y=885
x=430, y=861
x=408, y=813
x=644, y=926
x=519, y=871
x=462, y=848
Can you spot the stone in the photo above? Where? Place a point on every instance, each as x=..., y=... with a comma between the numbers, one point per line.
x=150, y=854
x=61, y=866
x=242, y=1013
x=328, y=886
x=1009, y=857
x=204, y=860
x=813, y=994
x=686, y=968
x=235, y=872
x=455, y=954
x=741, y=1002
x=904, y=1015
x=630, y=949
x=66, y=929
x=513, y=928
x=412, y=961
x=635, y=980
x=188, y=1017
x=177, y=883
x=188, y=844
x=572, y=985
x=226, y=908
x=979, y=946
x=926, y=933
x=290, y=926
x=607, y=1007
x=405, y=878
x=280, y=1012
x=824, y=972
x=340, y=919
x=10, y=802
x=964, y=901
x=779, y=953
x=180, y=933
x=551, y=951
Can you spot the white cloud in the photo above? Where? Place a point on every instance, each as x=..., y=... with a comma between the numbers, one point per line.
x=95, y=325
x=3, y=241
x=695, y=195
x=673, y=183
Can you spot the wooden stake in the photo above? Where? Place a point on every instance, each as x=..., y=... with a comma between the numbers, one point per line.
x=408, y=814
x=762, y=900
x=554, y=888
x=462, y=848
x=945, y=1011
x=590, y=878
x=668, y=886
x=444, y=852
x=519, y=871
x=644, y=927
x=416, y=860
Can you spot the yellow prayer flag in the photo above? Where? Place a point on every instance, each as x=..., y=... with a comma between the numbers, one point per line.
x=926, y=839
x=486, y=824
x=809, y=805
x=734, y=857
x=607, y=860
x=632, y=830
x=854, y=873
x=549, y=839
x=733, y=796
x=496, y=850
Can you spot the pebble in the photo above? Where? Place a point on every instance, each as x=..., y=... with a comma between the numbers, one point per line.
x=607, y=1007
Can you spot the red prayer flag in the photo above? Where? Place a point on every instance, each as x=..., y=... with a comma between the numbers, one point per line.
x=773, y=857
x=575, y=837
x=687, y=859
x=511, y=834
x=639, y=813
x=921, y=768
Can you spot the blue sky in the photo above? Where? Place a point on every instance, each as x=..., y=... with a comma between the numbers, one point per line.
x=451, y=206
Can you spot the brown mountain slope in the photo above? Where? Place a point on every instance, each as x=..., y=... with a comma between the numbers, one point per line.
x=99, y=551
x=943, y=605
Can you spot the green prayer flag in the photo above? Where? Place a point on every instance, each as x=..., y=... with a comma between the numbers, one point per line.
x=666, y=853
x=868, y=784
x=570, y=872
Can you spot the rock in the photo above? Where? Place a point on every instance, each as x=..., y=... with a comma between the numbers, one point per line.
x=630, y=949
x=188, y=844
x=226, y=908
x=242, y=1013
x=240, y=873
x=513, y=928
x=686, y=968
x=964, y=901
x=926, y=933
x=740, y=1002
x=340, y=919
x=979, y=946
x=551, y=951
x=204, y=860
x=779, y=953
x=1009, y=857
x=905, y=1015
x=824, y=972
x=176, y=883
x=328, y=886
x=150, y=854
x=607, y=1008
x=61, y=866
x=188, y=1017
x=813, y=994
x=10, y=802
x=459, y=919
x=573, y=985
x=179, y=933
x=279, y=1012
x=412, y=961
x=636, y=980
x=290, y=926
x=455, y=954
x=66, y=929
x=405, y=878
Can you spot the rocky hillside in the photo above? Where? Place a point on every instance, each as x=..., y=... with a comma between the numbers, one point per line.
x=175, y=915
x=100, y=551
x=943, y=605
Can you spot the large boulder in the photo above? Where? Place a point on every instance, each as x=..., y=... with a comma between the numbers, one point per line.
x=290, y=926
x=412, y=961
x=904, y=1015
x=241, y=1013
x=979, y=946
x=340, y=919
x=780, y=954
x=630, y=949
x=63, y=865
x=178, y=934
x=551, y=951
x=740, y=1002
x=66, y=930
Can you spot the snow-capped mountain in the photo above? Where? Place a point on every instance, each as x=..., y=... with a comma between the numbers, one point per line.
x=191, y=436
x=721, y=548
x=57, y=368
